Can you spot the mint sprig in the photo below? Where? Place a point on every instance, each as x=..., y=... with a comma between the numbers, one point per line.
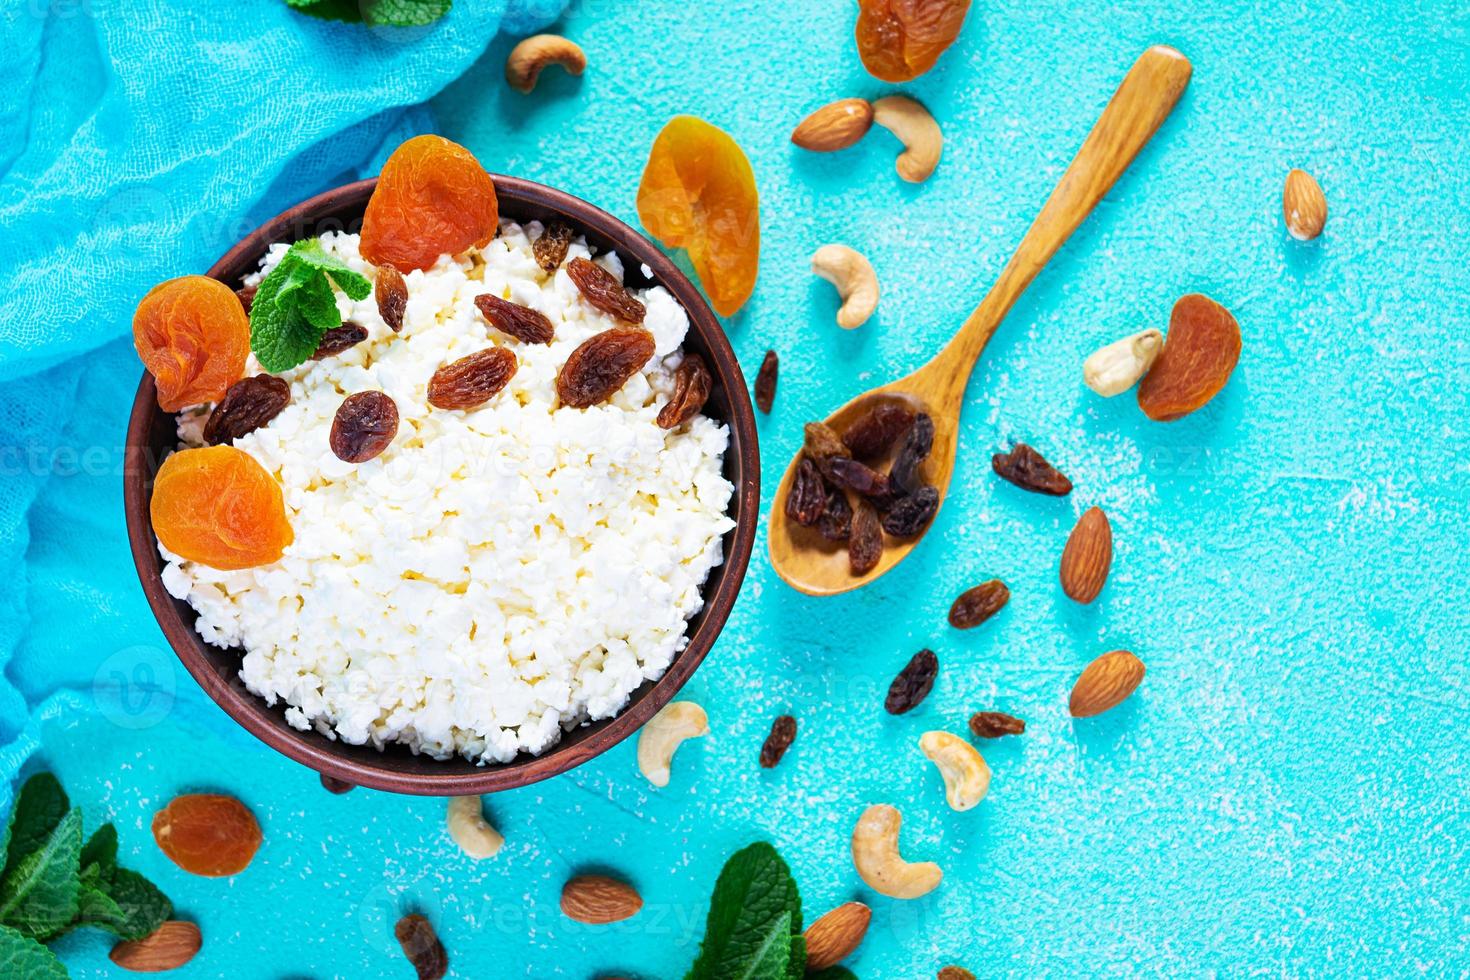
x=295, y=305
x=375, y=13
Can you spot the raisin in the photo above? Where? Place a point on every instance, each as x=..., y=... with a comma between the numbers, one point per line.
x=422, y=947
x=364, y=426
x=913, y=683
x=551, y=248
x=807, y=498
x=823, y=445
x=915, y=449
x=692, y=383
x=899, y=40
x=783, y=733
x=432, y=198
x=602, y=364
x=337, y=786
x=876, y=430
x=339, y=339
x=391, y=292
x=207, y=834
x=975, y=606
x=835, y=524
x=193, y=337
x=521, y=322
x=247, y=296
x=602, y=290
x=472, y=380
x=864, y=539
x=1029, y=470
x=859, y=478
x=909, y=515
x=765, y=382
x=994, y=724
x=249, y=404
x=219, y=507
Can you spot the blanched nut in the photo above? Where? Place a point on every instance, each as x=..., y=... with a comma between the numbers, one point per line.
x=875, y=855
x=917, y=130
x=664, y=733
x=467, y=826
x=855, y=280
x=1113, y=369
x=966, y=776
x=527, y=59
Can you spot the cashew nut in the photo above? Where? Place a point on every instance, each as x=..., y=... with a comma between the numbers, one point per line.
x=470, y=831
x=917, y=130
x=855, y=280
x=1113, y=369
x=966, y=776
x=875, y=855
x=527, y=59
x=664, y=733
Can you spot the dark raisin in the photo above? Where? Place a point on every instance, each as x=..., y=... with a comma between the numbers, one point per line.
x=249, y=404
x=602, y=289
x=835, y=524
x=521, y=322
x=913, y=683
x=994, y=724
x=864, y=539
x=692, y=384
x=823, y=445
x=338, y=786
x=364, y=426
x=808, y=496
x=472, y=380
x=422, y=947
x=247, y=297
x=858, y=477
x=765, y=382
x=975, y=606
x=903, y=475
x=909, y=515
x=1029, y=470
x=783, y=733
x=876, y=430
x=339, y=339
x=391, y=292
x=551, y=248
x=602, y=364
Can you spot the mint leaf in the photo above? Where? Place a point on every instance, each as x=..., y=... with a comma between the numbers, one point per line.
x=311, y=254
x=21, y=956
x=378, y=13
x=833, y=973
x=754, y=912
x=39, y=896
x=295, y=305
x=39, y=807
x=347, y=10
x=129, y=906
x=101, y=850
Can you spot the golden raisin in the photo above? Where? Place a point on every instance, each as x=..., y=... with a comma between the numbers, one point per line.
x=193, y=337
x=433, y=198
x=698, y=193
x=901, y=39
x=219, y=507
x=207, y=834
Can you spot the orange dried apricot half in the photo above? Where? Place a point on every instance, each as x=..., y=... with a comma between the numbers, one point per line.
x=207, y=834
x=432, y=198
x=899, y=40
x=1200, y=352
x=193, y=337
x=219, y=507
x=698, y=193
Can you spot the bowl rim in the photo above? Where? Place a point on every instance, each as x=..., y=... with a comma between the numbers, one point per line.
x=321, y=754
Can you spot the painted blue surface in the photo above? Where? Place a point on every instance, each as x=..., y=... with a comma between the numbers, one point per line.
x=1287, y=792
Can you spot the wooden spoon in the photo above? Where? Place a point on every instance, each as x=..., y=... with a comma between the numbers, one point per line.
x=1144, y=99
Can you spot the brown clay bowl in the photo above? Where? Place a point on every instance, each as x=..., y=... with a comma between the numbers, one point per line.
x=151, y=436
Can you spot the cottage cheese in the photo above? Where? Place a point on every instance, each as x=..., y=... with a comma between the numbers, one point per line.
x=497, y=575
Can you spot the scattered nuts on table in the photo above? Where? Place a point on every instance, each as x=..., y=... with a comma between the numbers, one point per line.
x=955, y=973
x=468, y=827
x=168, y=947
x=1105, y=683
x=855, y=280
x=1113, y=369
x=1087, y=557
x=523, y=66
x=1303, y=205
x=598, y=900
x=833, y=937
x=916, y=129
x=664, y=733
x=875, y=855
x=966, y=776
x=834, y=126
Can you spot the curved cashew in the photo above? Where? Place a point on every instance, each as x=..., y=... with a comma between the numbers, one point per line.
x=527, y=59
x=875, y=855
x=470, y=831
x=855, y=280
x=917, y=130
x=664, y=733
x=966, y=776
x=1113, y=369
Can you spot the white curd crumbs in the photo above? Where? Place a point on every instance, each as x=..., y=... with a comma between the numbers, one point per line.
x=497, y=575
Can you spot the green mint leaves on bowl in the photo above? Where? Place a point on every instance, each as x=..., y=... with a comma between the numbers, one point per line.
x=295, y=305
x=375, y=13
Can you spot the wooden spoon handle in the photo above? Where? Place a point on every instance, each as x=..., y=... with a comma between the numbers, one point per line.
x=1141, y=104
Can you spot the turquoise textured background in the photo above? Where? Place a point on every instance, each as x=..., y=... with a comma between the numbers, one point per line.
x=1287, y=792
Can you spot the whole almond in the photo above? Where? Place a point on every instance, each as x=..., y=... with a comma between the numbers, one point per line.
x=168, y=947
x=1303, y=205
x=835, y=126
x=1087, y=556
x=1105, y=683
x=598, y=900
x=955, y=973
x=833, y=937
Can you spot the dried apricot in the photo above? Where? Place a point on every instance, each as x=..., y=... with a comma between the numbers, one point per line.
x=219, y=507
x=1200, y=351
x=901, y=39
x=432, y=199
x=698, y=193
x=207, y=834
x=193, y=337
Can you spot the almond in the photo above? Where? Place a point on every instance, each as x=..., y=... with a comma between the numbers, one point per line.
x=1105, y=683
x=168, y=947
x=833, y=937
x=1087, y=556
x=598, y=899
x=1303, y=205
x=1200, y=352
x=835, y=126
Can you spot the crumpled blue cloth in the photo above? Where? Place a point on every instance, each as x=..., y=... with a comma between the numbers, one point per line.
x=138, y=141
